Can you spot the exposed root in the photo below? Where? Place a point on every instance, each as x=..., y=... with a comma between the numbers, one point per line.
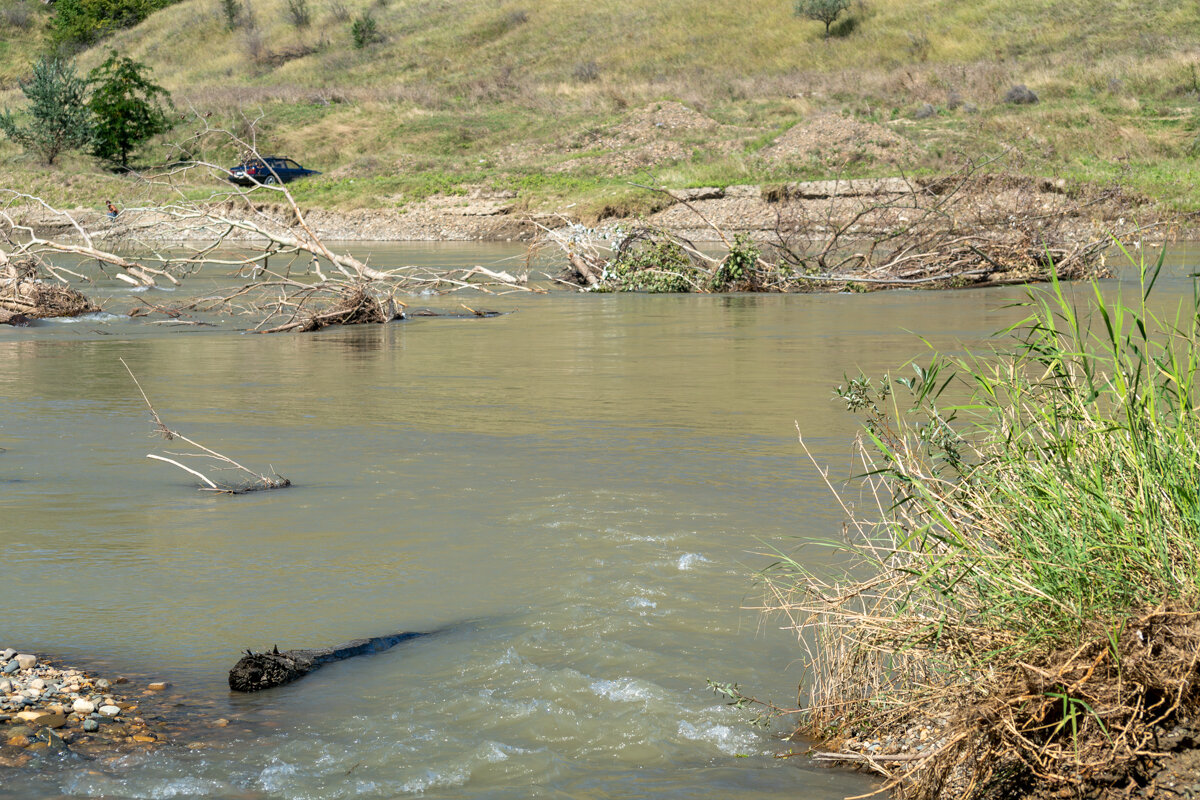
x=1074, y=724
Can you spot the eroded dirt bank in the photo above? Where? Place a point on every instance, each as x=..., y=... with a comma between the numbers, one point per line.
x=764, y=211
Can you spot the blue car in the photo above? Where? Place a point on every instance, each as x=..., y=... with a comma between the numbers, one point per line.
x=268, y=170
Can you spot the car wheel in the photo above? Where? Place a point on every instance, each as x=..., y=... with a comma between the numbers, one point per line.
x=269, y=180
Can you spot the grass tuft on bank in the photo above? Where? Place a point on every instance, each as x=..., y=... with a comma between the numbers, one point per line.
x=1029, y=570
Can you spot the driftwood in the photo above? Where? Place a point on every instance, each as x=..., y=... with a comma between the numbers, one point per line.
x=256, y=481
x=257, y=671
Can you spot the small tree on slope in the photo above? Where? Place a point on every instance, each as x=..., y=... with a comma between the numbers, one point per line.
x=826, y=11
x=126, y=106
x=59, y=117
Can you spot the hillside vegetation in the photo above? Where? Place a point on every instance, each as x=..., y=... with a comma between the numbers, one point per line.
x=565, y=100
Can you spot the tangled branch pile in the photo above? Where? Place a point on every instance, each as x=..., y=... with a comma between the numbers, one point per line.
x=859, y=236
x=24, y=296
x=1026, y=585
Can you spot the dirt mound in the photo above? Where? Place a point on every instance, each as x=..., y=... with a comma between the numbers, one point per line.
x=838, y=141
x=650, y=136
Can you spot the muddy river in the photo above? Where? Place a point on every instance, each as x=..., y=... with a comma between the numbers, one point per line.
x=577, y=494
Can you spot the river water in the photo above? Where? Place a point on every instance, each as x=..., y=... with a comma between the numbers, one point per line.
x=576, y=495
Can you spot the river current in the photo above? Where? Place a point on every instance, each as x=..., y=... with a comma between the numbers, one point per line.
x=576, y=494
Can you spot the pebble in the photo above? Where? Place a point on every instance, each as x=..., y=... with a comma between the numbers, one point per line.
x=37, y=698
x=7, y=654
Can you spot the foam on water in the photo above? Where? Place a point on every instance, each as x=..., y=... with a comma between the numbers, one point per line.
x=726, y=738
x=688, y=561
x=624, y=690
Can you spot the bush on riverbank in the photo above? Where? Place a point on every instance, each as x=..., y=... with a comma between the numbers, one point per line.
x=1030, y=571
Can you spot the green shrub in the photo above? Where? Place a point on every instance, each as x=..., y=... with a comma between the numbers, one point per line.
x=79, y=23
x=298, y=13
x=653, y=262
x=59, y=117
x=231, y=10
x=364, y=30
x=737, y=270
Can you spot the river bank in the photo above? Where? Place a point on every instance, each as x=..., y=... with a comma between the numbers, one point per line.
x=46, y=708
x=987, y=204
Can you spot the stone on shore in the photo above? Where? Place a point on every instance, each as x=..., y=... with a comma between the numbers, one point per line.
x=83, y=706
x=42, y=719
x=26, y=661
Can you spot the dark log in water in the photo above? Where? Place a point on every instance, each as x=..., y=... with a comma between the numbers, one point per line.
x=258, y=671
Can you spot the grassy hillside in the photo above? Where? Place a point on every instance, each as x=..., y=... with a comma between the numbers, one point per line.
x=533, y=96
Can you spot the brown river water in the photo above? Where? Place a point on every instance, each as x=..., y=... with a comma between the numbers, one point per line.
x=577, y=493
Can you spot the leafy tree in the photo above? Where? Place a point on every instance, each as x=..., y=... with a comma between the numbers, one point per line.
x=59, y=117
x=79, y=23
x=826, y=11
x=126, y=106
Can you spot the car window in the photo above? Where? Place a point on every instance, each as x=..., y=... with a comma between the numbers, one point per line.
x=291, y=164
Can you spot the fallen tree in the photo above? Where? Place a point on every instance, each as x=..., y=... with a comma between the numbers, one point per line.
x=291, y=280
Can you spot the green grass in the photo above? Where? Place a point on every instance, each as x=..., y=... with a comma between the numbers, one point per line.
x=505, y=88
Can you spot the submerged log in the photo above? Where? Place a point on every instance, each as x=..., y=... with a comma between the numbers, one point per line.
x=258, y=671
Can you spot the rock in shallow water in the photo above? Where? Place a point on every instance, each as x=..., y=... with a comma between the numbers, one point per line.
x=91, y=726
x=110, y=711
x=83, y=706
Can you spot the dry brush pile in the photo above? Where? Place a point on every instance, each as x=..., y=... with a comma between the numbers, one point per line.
x=971, y=228
x=1026, y=581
